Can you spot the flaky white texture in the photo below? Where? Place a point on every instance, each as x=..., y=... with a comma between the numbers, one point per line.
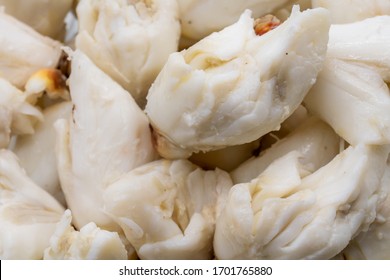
x=346, y=11
x=36, y=152
x=129, y=40
x=316, y=142
x=199, y=18
x=366, y=42
x=28, y=214
x=45, y=16
x=17, y=116
x=107, y=136
x=354, y=100
x=167, y=209
x=374, y=244
x=234, y=86
x=287, y=214
x=90, y=243
x=23, y=51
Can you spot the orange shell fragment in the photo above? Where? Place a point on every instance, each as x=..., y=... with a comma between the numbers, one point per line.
x=265, y=24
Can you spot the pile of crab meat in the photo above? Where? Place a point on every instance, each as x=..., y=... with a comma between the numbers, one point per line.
x=180, y=129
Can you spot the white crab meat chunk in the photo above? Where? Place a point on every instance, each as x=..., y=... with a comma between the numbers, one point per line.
x=366, y=42
x=167, y=209
x=316, y=142
x=36, y=152
x=17, y=115
x=28, y=214
x=23, y=51
x=106, y=136
x=288, y=213
x=374, y=244
x=354, y=100
x=45, y=16
x=234, y=86
x=200, y=18
x=129, y=40
x=90, y=243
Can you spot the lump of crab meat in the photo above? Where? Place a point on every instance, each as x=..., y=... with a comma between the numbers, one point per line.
x=374, y=244
x=354, y=100
x=290, y=213
x=36, y=152
x=167, y=209
x=23, y=51
x=365, y=42
x=45, y=16
x=234, y=86
x=129, y=40
x=106, y=136
x=200, y=18
x=17, y=116
x=28, y=214
x=316, y=142
x=90, y=243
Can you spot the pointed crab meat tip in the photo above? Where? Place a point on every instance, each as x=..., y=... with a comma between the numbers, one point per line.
x=200, y=18
x=49, y=81
x=365, y=42
x=316, y=142
x=129, y=40
x=19, y=42
x=28, y=214
x=36, y=152
x=354, y=100
x=90, y=243
x=374, y=244
x=346, y=11
x=167, y=209
x=233, y=86
x=17, y=116
x=287, y=214
x=45, y=16
x=106, y=136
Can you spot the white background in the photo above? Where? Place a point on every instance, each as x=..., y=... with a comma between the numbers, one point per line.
x=109, y=270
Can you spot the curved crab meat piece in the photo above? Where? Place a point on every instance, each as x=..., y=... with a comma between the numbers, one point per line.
x=374, y=244
x=200, y=18
x=167, y=209
x=17, y=116
x=45, y=16
x=316, y=142
x=36, y=152
x=28, y=214
x=354, y=100
x=90, y=243
x=107, y=136
x=19, y=41
x=233, y=86
x=129, y=40
x=366, y=42
x=286, y=213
